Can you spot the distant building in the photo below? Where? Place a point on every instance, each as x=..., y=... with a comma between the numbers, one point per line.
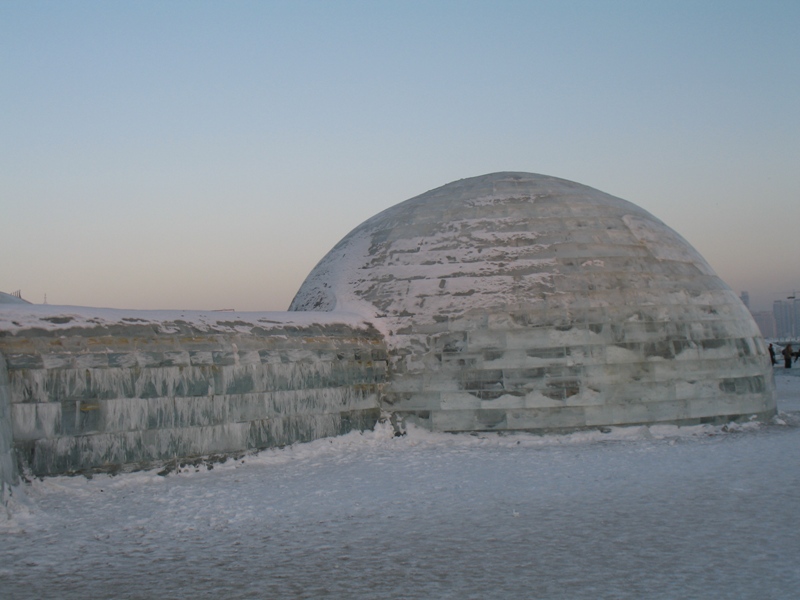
x=766, y=323
x=781, y=315
x=745, y=296
x=787, y=318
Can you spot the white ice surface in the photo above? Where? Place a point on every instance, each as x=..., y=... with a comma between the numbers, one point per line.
x=18, y=317
x=659, y=512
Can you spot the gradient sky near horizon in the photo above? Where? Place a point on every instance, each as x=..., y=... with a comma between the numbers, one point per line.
x=205, y=155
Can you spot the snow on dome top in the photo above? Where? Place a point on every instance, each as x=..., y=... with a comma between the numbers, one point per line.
x=498, y=240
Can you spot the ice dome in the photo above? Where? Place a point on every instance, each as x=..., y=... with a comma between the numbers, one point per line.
x=523, y=301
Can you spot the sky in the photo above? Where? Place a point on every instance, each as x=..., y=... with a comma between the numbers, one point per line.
x=206, y=155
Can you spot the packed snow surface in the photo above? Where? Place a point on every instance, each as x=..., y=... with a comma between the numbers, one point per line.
x=637, y=512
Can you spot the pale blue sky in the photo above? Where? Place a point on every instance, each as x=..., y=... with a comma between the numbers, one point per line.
x=205, y=155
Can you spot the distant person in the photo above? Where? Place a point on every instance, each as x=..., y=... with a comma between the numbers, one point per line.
x=772, y=355
x=787, y=356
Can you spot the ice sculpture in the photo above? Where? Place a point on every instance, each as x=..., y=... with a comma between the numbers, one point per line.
x=522, y=301
x=509, y=301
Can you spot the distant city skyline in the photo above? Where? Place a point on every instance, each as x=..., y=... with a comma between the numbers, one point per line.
x=205, y=155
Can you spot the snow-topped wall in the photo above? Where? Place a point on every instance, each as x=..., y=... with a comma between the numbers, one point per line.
x=89, y=389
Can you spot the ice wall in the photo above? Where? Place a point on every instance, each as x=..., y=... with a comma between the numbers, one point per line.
x=534, y=369
x=129, y=394
x=8, y=466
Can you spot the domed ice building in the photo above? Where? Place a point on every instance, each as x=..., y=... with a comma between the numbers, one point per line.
x=516, y=301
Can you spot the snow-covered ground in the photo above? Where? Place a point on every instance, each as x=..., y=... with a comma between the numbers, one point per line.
x=659, y=512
